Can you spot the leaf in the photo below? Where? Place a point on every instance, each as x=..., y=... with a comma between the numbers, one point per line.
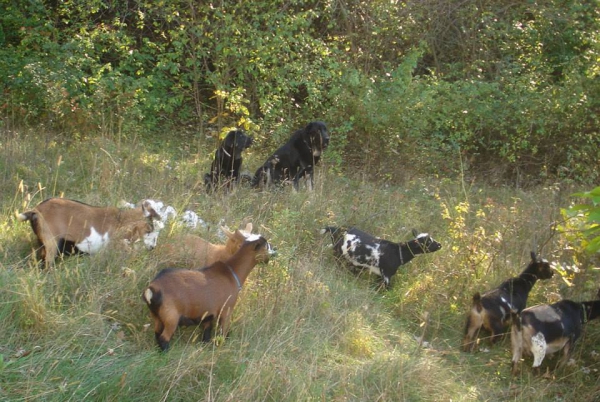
x=594, y=245
x=594, y=216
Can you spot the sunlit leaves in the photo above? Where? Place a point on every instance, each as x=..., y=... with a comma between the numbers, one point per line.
x=590, y=214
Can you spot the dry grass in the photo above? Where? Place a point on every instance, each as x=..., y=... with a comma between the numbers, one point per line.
x=305, y=328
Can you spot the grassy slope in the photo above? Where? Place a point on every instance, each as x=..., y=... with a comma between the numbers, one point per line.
x=305, y=328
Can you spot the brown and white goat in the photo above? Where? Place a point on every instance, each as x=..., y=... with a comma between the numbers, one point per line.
x=190, y=251
x=66, y=226
x=205, y=296
x=491, y=311
x=546, y=329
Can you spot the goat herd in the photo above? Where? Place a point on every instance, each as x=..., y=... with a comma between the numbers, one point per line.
x=189, y=295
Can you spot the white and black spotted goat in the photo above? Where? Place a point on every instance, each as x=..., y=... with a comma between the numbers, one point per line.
x=381, y=257
x=546, y=329
x=491, y=310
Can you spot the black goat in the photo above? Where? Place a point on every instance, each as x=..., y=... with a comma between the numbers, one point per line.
x=382, y=257
x=296, y=158
x=227, y=164
x=491, y=310
x=546, y=329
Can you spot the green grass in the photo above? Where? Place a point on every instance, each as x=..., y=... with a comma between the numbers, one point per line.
x=305, y=327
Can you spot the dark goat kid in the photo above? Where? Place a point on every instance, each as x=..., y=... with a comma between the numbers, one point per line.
x=381, y=257
x=546, y=329
x=226, y=166
x=491, y=310
x=204, y=296
x=296, y=158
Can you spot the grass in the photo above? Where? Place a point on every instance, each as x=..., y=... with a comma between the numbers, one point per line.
x=305, y=327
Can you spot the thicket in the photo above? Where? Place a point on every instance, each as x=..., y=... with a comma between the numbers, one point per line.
x=495, y=89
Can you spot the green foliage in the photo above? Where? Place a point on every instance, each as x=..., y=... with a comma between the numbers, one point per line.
x=489, y=89
x=588, y=215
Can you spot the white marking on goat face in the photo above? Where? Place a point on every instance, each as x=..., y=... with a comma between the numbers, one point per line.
x=251, y=236
x=255, y=236
x=93, y=243
x=271, y=250
x=428, y=243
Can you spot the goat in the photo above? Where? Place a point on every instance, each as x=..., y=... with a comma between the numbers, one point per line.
x=491, y=310
x=188, y=251
x=227, y=164
x=381, y=257
x=66, y=226
x=546, y=329
x=296, y=158
x=204, y=296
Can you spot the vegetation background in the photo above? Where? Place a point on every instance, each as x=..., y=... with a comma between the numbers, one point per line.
x=472, y=120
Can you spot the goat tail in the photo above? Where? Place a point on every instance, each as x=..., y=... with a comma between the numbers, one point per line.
x=515, y=319
x=477, y=301
x=26, y=216
x=152, y=297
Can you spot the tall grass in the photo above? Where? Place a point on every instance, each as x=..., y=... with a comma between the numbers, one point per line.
x=305, y=327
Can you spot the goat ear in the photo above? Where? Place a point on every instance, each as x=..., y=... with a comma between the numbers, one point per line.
x=248, y=227
x=227, y=232
x=415, y=232
x=533, y=256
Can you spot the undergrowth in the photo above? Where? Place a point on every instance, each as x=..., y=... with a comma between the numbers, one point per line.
x=305, y=328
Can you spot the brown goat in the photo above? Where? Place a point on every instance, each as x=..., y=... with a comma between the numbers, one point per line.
x=190, y=251
x=191, y=297
x=67, y=226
